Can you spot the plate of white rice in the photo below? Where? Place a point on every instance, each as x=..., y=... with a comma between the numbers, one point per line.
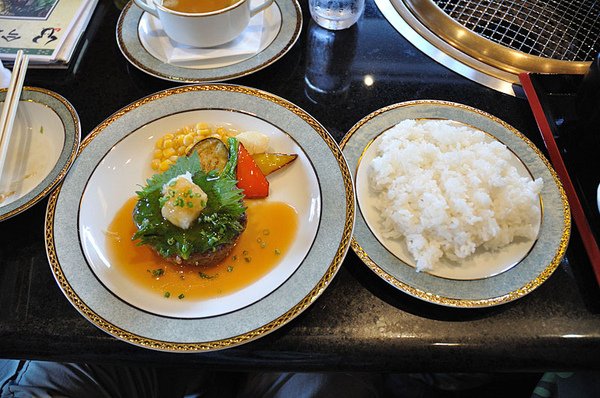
x=456, y=206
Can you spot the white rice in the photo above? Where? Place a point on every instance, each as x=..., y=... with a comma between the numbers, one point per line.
x=447, y=191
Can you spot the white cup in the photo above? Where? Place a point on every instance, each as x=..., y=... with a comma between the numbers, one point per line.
x=204, y=29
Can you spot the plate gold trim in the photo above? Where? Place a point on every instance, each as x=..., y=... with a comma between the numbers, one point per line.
x=71, y=157
x=312, y=295
x=468, y=303
x=135, y=61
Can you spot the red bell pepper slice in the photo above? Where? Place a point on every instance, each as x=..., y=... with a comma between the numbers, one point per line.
x=250, y=179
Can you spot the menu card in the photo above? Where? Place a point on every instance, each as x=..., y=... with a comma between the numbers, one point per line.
x=46, y=30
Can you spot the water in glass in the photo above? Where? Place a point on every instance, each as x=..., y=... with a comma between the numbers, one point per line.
x=336, y=14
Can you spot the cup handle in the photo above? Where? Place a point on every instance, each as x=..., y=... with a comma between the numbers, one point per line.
x=257, y=9
x=144, y=6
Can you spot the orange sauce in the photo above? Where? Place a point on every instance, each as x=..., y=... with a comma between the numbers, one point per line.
x=264, y=242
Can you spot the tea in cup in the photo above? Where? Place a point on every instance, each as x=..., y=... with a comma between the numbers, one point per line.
x=205, y=23
x=197, y=6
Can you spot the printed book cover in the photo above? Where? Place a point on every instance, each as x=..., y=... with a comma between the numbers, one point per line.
x=41, y=27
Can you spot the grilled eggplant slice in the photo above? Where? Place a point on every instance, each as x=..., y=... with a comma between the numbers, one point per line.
x=213, y=154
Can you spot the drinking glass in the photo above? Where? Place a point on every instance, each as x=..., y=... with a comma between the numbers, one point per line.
x=336, y=14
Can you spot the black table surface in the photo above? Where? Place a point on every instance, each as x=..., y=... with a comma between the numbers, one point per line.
x=360, y=322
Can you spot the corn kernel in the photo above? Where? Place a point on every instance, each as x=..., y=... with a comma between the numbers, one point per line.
x=164, y=165
x=172, y=145
x=169, y=152
x=188, y=140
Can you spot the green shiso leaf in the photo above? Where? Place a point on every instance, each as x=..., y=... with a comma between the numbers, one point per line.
x=219, y=223
x=183, y=165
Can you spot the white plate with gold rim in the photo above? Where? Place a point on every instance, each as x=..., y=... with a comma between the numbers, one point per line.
x=145, y=47
x=44, y=142
x=121, y=149
x=485, y=278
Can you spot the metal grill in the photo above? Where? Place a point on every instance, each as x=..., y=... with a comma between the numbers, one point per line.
x=561, y=30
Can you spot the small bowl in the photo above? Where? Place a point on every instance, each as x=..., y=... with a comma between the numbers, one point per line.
x=44, y=142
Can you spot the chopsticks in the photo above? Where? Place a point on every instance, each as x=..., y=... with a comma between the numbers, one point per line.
x=11, y=102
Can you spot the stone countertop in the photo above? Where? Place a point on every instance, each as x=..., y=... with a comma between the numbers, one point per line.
x=360, y=322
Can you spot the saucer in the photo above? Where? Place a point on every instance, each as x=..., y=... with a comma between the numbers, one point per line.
x=259, y=34
x=268, y=37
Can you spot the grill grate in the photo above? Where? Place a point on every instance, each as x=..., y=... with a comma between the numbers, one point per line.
x=561, y=30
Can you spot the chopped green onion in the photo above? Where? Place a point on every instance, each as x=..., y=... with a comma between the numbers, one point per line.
x=206, y=276
x=157, y=273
